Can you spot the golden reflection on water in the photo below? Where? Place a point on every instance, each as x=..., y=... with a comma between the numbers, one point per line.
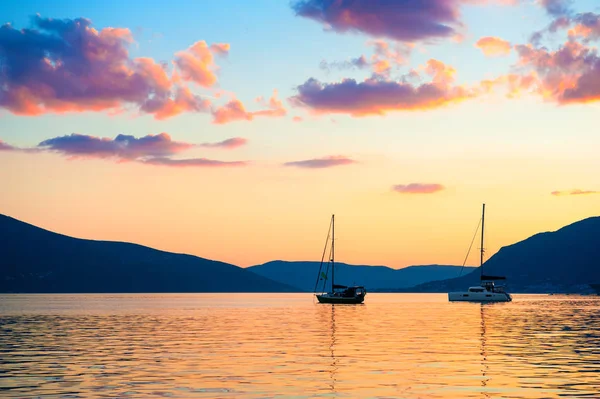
x=286, y=345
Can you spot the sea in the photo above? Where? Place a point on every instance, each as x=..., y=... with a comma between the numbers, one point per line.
x=289, y=346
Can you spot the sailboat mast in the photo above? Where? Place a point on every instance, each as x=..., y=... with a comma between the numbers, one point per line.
x=482, y=226
x=332, y=251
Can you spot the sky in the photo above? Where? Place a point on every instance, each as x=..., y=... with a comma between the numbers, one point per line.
x=232, y=130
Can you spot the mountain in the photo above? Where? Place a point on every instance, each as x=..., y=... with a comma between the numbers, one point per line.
x=304, y=274
x=566, y=260
x=36, y=260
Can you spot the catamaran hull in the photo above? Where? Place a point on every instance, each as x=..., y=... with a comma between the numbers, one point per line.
x=340, y=300
x=479, y=297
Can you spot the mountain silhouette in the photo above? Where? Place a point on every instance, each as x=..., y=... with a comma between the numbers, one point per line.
x=37, y=260
x=566, y=260
x=304, y=274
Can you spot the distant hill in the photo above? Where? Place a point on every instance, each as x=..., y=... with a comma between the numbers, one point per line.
x=566, y=260
x=36, y=260
x=303, y=274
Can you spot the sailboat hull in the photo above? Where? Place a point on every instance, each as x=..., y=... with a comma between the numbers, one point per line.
x=327, y=298
x=479, y=297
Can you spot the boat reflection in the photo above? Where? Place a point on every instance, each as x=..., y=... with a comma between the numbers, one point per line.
x=332, y=342
x=484, y=362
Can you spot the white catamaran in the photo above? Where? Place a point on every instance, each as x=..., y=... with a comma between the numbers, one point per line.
x=339, y=294
x=487, y=291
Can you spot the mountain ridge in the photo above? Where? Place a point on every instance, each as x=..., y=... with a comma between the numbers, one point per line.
x=60, y=263
x=304, y=274
x=565, y=260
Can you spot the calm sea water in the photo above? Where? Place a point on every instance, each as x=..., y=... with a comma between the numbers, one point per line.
x=287, y=346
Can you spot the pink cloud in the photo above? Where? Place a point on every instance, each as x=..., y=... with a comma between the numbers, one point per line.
x=319, y=163
x=570, y=74
x=493, y=46
x=122, y=147
x=66, y=65
x=235, y=110
x=574, y=192
x=197, y=64
x=234, y=142
x=387, y=55
x=417, y=188
x=400, y=20
x=7, y=147
x=379, y=96
x=192, y=163
x=297, y=119
x=220, y=48
x=151, y=149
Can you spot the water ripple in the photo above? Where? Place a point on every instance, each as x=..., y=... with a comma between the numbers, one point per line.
x=285, y=346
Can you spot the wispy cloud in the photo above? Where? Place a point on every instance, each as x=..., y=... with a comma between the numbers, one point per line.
x=194, y=162
x=574, y=192
x=418, y=188
x=234, y=142
x=151, y=149
x=7, y=147
x=319, y=163
x=122, y=147
x=358, y=63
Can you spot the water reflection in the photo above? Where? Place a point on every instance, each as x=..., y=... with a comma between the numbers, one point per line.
x=267, y=346
x=484, y=363
x=334, y=365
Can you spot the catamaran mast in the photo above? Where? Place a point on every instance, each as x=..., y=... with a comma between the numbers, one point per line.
x=482, y=250
x=332, y=251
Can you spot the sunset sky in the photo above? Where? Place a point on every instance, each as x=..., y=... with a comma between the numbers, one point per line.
x=232, y=130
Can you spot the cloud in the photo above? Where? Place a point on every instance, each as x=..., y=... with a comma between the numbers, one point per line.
x=234, y=142
x=584, y=26
x=122, y=147
x=183, y=100
x=7, y=147
x=358, y=62
x=574, y=192
x=493, y=46
x=151, y=149
x=297, y=119
x=66, y=65
x=402, y=20
x=319, y=163
x=568, y=75
x=385, y=56
x=556, y=8
x=391, y=53
x=235, y=110
x=417, y=188
x=378, y=96
x=220, y=48
x=196, y=64
x=194, y=162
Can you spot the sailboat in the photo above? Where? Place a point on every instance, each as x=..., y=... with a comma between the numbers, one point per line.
x=338, y=293
x=487, y=291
